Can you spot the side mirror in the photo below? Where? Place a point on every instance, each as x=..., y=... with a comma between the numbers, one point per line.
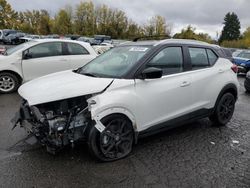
x=151, y=73
x=27, y=55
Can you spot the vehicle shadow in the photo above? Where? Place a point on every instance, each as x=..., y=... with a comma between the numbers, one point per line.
x=189, y=135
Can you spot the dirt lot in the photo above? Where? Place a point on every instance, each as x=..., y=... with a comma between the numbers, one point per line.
x=195, y=155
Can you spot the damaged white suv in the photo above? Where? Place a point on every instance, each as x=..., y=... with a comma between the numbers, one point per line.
x=133, y=90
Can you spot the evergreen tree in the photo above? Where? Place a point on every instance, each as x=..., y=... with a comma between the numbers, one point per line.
x=231, y=29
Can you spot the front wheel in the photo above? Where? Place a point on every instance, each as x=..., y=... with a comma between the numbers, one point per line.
x=224, y=110
x=115, y=142
x=8, y=82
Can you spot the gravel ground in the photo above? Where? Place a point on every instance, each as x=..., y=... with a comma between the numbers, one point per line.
x=195, y=155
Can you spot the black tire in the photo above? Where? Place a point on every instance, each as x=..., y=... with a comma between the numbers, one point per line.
x=8, y=83
x=115, y=142
x=224, y=110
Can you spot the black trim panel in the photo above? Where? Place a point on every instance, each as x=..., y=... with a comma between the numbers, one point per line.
x=196, y=115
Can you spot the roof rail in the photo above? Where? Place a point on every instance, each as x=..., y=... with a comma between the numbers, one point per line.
x=151, y=37
x=187, y=40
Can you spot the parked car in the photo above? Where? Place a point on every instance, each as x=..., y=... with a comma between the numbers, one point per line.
x=228, y=54
x=1, y=35
x=86, y=39
x=242, y=60
x=40, y=57
x=236, y=52
x=14, y=38
x=98, y=39
x=130, y=91
x=2, y=49
x=6, y=33
x=32, y=36
x=247, y=82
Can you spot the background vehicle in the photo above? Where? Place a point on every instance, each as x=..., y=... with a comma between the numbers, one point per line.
x=98, y=39
x=13, y=38
x=41, y=57
x=86, y=39
x=228, y=54
x=247, y=82
x=133, y=90
x=242, y=60
x=1, y=35
x=2, y=49
x=6, y=33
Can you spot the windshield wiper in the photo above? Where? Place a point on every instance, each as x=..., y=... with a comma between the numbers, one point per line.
x=89, y=74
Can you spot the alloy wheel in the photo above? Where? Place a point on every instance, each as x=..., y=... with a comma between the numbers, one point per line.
x=117, y=139
x=7, y=83
x=226, y=108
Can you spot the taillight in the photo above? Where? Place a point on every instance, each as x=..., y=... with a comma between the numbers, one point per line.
x=234, y=68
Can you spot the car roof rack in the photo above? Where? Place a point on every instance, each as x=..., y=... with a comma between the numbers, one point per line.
x=161, y=37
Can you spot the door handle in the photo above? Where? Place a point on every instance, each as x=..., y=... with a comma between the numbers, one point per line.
x=63, y=59
x=185, y=84
x=221, y=71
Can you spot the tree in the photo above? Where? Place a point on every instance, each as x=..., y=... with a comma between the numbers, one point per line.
x=85, y=20
x=62, y=23
x=189, y=33
x=231, y=29
x=29, y=21
x=246, y=34
x=44, y=24
x=8, y=17
x=157, y=27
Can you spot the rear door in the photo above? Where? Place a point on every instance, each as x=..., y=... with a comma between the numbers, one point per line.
x=77, y=55
x=43, y=59
x=207, y=78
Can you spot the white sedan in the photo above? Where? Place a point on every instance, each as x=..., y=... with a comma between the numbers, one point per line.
x=37, y=58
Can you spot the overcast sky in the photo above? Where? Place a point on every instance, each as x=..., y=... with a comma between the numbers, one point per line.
x=204, y=15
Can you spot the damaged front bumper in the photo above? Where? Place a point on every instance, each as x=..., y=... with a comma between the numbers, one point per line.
x=53, y=129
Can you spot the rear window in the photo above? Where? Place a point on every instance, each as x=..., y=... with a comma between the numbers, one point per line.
x=76, y=49
x=202, y=58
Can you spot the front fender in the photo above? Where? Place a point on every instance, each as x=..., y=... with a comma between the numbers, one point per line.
x=97, y=116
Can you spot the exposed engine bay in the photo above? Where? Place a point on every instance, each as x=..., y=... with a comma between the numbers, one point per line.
x=58, y=123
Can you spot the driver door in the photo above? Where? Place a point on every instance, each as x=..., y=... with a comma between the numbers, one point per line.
x=165, y=98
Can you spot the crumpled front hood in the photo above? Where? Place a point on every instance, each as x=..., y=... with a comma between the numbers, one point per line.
x=61, y=85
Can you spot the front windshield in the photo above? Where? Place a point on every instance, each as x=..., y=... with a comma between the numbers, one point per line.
x=16, y=48
x=116, y=62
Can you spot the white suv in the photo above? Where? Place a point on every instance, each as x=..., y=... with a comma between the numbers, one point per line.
x=133, y=90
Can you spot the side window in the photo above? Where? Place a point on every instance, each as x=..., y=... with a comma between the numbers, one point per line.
x=45, y=50
x=170, y=60
x=212, y=57
x=76, y=49
x=199, y=58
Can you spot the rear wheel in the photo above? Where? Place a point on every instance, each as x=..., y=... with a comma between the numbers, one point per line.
x=224, y=110
x=8, y=82
x=115, y=142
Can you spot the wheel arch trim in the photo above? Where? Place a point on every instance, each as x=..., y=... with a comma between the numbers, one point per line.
x=115, y=110
x=232, y=88
x=20, y=78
